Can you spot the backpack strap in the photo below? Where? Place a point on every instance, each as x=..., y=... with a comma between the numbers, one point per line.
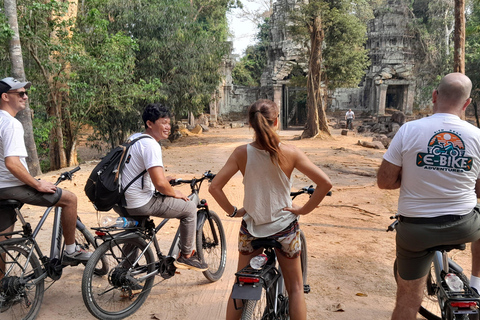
x=123, y=201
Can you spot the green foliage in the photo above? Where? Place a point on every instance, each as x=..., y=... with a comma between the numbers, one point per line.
x=344, y=26
x=248, y=70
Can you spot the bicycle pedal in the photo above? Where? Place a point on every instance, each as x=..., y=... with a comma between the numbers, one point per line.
x=306, y=288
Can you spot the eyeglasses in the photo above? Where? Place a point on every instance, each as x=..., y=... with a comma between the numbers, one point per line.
x=22, y=94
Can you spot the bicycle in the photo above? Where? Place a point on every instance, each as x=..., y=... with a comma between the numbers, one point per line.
x=262, y=291
x=441, y=302
x=27, y=268
x=133, y=265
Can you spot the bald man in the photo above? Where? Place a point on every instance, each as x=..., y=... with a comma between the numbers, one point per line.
x=435, y=161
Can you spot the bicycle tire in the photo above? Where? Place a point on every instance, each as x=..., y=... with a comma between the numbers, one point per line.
x=211, y=252
x=255, y=309
x=24, y=303
x=85, y=239
x=111, y=296
x=304, y=257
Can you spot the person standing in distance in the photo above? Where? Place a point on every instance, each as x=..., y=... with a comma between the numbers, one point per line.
x=349, y=116
x=17, y=183
x=435, y=161
x=267, y=165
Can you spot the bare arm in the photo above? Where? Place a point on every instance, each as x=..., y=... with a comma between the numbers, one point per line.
x=15, y=166
x=389, y=176
x=162, y=183
x=232, y=166
x=313, y=172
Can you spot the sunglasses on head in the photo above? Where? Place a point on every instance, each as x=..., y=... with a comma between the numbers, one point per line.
x=22, y=94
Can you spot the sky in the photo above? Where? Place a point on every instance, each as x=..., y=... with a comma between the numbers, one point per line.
x=243, y=31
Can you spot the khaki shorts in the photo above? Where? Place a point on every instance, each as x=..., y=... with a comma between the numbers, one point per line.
x=24, y=194
x=415, y=239
x=289, y=238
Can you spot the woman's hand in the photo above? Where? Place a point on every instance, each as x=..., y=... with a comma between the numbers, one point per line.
x=295, y=209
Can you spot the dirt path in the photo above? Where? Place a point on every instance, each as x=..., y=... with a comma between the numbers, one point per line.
x=350, y=254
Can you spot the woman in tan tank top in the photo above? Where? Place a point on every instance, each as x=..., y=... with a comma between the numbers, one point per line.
x=263, y=118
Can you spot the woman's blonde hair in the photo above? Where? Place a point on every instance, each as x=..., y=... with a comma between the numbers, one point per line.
x=261, y=117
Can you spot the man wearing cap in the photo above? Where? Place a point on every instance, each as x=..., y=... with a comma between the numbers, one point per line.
x=17, y=183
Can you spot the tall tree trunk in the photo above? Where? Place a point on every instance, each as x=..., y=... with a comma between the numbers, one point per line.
x=316, y=117
x=459, y=41
x=63, y=149
x=18, y=72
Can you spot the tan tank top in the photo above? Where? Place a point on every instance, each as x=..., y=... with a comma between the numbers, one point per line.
x=267, y=192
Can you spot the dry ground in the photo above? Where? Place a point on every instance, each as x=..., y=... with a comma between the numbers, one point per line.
x=350, y=254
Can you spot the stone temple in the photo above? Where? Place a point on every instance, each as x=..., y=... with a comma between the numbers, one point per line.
x=388, y=83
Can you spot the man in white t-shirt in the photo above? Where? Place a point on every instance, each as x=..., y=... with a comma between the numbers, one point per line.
x=435, y=161
x=349, y=116
x=152, y=195
x=17, y=183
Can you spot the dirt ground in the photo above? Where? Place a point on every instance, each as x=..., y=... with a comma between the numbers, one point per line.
x=350, y=254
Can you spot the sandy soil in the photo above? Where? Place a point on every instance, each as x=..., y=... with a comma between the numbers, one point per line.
x=350, y=254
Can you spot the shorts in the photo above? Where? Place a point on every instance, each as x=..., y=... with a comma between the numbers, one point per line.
x=289, y=238
x=415, y=239
x=24, y=194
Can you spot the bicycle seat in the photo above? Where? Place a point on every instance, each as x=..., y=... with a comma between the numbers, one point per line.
x=448, y=247
x=265, y=243
x=11, y=203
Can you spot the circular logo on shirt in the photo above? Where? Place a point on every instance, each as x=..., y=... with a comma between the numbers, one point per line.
x=445, y=151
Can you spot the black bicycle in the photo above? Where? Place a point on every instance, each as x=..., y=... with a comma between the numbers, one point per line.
x=262, y=291
x=443, y=301
x=133, y=265
x=25, y=266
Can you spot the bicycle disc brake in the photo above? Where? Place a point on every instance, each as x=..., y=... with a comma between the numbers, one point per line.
x=166, y=268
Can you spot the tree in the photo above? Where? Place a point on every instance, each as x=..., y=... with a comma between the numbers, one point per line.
x=18, y=72
x=459, y=55
x=248, y=70
x=339, y=26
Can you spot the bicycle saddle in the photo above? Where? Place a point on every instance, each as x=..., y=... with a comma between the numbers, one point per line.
x=448, y=247
x=265, y=243
x=11, y=203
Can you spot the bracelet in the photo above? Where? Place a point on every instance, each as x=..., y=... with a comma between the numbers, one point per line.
x=234, y=212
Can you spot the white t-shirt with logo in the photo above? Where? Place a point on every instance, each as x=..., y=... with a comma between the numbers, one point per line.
x=440, y=160
x=144, y=154
x=12, y=144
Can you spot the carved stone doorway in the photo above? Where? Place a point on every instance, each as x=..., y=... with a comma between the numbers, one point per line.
x=395, y=97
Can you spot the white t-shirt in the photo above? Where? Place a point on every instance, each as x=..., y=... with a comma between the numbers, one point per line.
x=440, y=160
x=144, y=154
x=349, y=114
x=12, y=144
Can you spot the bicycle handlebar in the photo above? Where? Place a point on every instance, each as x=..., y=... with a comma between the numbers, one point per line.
x=67, y=175
x=310, y=190
x=207, y=175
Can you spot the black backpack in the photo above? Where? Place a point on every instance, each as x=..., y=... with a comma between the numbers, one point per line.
x=104, y=186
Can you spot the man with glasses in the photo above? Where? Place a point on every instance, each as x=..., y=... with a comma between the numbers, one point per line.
x=17, y=183
x=435, y=161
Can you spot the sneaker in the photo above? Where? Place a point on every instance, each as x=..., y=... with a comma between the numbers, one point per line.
x=192, y=263
x=76, y=257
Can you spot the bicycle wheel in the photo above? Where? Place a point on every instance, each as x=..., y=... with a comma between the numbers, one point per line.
x=116, y=296
x=84, y=238
x=304, y=259
x=19, y=297
x=430, y=309
x=263, y=308
x=212, y=247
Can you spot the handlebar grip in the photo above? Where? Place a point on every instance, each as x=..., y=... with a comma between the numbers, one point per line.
x=75, y=170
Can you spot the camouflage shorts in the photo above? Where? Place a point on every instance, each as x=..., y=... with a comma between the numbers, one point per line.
x=289, y=238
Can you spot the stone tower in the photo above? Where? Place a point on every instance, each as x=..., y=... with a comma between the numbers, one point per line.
x=389, y=82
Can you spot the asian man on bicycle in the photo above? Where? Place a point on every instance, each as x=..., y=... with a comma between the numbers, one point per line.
x=17, y=183
x=439, y=187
